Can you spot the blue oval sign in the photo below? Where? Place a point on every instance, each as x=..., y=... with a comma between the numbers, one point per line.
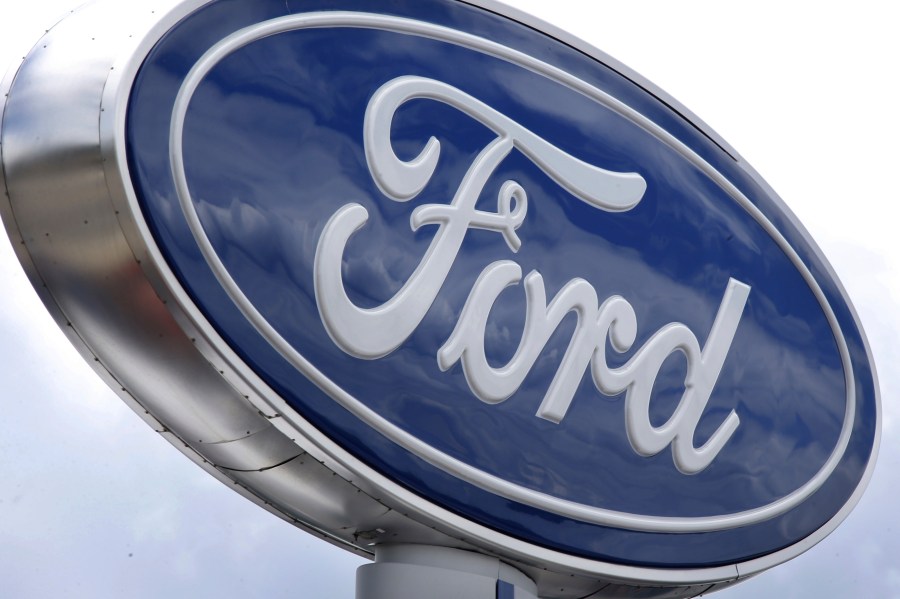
x=506, y=277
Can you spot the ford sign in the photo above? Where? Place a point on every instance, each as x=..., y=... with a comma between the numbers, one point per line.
x=421, y=272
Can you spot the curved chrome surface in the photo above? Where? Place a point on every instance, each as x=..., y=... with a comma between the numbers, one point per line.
x=90, y=278
x=77, y=230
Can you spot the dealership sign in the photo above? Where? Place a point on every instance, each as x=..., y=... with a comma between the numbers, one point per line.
x=490, y=278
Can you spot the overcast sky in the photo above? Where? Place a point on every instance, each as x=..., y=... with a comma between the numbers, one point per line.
x=94, y=504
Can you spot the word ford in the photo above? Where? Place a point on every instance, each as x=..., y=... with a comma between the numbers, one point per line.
x=375, y=332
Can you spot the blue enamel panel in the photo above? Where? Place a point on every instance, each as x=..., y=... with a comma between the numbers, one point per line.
x=273, y=147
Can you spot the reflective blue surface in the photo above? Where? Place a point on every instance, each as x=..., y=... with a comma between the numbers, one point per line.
x=273, y=147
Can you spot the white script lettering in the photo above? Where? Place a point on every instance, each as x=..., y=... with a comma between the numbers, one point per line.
x=375, y=332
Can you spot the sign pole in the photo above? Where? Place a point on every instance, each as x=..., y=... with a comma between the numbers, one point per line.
x=416, y=571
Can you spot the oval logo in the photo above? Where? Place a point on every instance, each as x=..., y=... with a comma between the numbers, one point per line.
x=506, y=277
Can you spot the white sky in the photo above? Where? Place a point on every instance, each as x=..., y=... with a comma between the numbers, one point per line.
x=94, y=504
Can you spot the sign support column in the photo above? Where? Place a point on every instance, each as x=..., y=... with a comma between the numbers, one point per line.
x=416, y=571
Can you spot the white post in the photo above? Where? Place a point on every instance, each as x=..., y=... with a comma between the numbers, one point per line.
x=420, y=571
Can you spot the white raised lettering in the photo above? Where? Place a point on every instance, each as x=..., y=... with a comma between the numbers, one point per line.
x=372, y=333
